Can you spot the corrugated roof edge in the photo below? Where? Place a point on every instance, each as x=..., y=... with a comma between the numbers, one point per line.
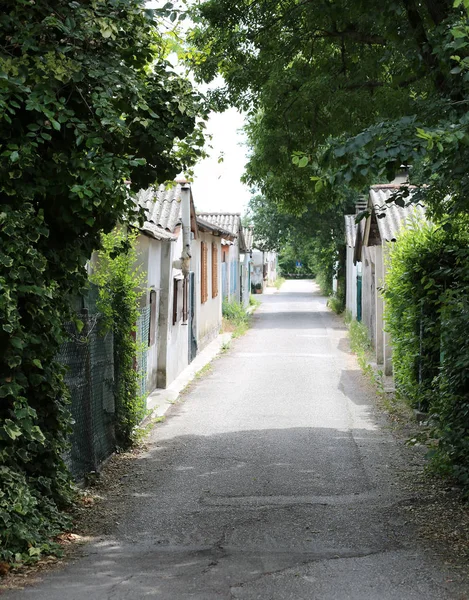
x=210, y=227
x=393, y=186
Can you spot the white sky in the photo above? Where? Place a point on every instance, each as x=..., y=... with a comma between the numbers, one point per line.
x=217, y=186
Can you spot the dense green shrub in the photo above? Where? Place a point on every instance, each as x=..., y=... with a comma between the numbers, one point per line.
x=419, y=270
x=87, y=105
x=427, y=314
x=34, y=420
x=450, y=406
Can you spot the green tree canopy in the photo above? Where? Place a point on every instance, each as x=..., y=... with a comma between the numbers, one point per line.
x=353, y=88
x=90, y=111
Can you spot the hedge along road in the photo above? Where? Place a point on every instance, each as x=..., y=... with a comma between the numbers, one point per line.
x=273, y=480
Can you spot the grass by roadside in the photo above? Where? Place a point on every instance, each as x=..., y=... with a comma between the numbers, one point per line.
x=360, y=345
x=253, y=303
x=279, y=282
x=235, y=318
x=336, y=304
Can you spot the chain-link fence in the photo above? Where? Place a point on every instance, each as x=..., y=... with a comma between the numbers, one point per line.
x=143, y=332
x=89, y=358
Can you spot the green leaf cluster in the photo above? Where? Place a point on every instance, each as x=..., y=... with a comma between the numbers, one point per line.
x=34, y=420
x=90, y=111
x=427, y=311
x=340, y=94
x=314, y=236
x=120, y=281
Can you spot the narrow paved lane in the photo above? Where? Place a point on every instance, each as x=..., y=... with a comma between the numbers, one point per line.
x=273, y=480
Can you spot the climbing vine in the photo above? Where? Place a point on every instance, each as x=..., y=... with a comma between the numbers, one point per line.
x=88, y=103
x=34, y=421
x=120, y=281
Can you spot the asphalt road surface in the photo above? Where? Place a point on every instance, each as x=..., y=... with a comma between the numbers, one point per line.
x=274, y=480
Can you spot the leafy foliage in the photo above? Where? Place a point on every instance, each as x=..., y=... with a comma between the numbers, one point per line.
x=119, y=280
x=427, y=313
x=34, y=420
x=340, y=94
x=236, y=316
x=87, y=104
x=419, y=269
x=316, y=238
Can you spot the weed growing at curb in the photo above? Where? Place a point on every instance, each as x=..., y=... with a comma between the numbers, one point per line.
x=279, y=282
x=253, y=301
x=360, y=345
x=235, y=318
x=203, y=371
x=225, y=347
x=336, y=304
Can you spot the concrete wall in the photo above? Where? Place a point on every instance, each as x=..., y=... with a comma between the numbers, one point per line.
x=173, y=341
x=351, y=283
x=246, y=279
x=270, y=259
x=369, y=291
x=234, y=272
x=387, y=350
x=374, y=259
x=208, y=314
x=257, y=266
x=149, y=258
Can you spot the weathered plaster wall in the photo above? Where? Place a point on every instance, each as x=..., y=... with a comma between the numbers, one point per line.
x=351, y=283
x=208, y=314
x=149, y=253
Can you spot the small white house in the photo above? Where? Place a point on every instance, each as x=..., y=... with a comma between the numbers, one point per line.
x=374, y=237
x=271, y=267
x=181, y=256
x=207, y=252
x=161, y=246
x=232, y=250
x=264, y=267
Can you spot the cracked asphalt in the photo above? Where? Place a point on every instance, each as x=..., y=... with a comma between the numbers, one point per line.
x=274, y=479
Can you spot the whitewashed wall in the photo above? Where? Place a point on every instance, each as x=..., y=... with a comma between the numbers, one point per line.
x=208, y=314
x=149, y=258
x=351, y=283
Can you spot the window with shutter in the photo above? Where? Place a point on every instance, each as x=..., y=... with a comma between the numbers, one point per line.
x=203, y=273
x=178, y=299
x=214, y=270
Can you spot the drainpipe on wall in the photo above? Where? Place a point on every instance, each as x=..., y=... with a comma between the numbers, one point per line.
x=186, y=228
x=184, y=263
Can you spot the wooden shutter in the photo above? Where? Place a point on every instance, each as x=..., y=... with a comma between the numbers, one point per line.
x=214, y=270
x=203, y=273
